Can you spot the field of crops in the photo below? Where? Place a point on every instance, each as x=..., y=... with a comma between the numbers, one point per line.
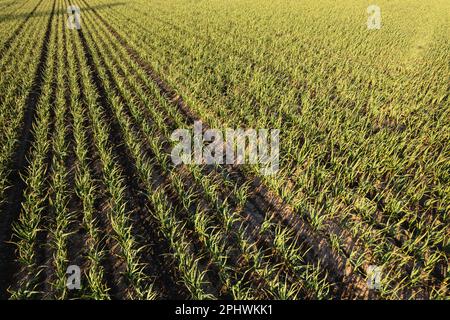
x=87, y=180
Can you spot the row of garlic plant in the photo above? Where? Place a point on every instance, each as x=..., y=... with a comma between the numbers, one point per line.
x=86, y=187
x=190, y=195
x=29, y=226
x=15, y=91
x=310, y=189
